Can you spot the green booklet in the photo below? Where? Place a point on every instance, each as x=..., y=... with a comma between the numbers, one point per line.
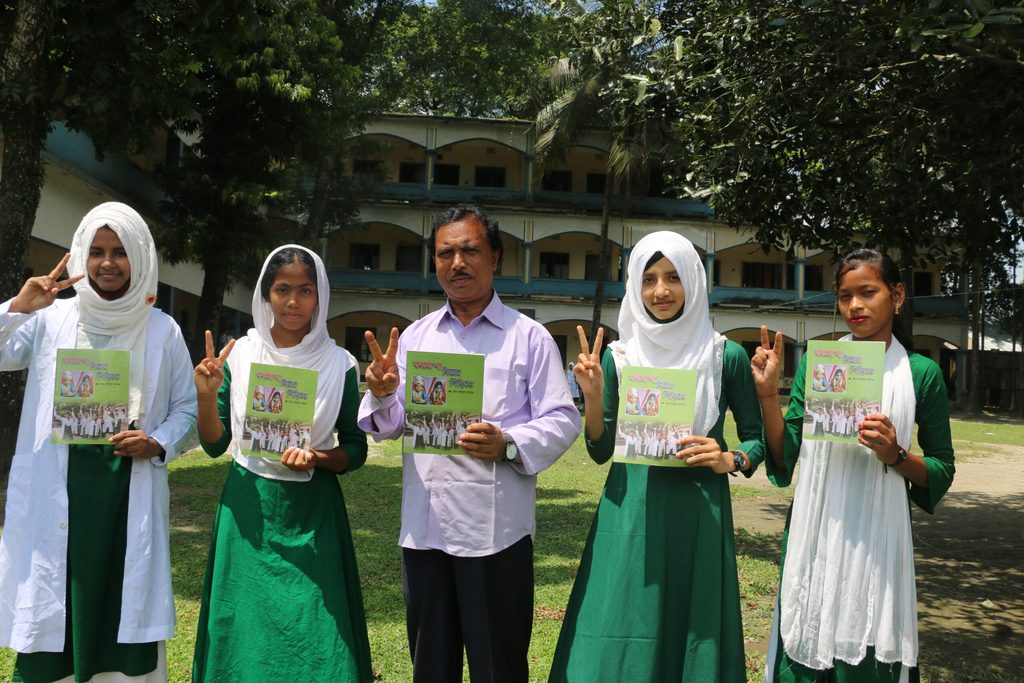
x=655, y=411
x=444, y=393
x=279, y=414
x=90, y=395
x=843, y=385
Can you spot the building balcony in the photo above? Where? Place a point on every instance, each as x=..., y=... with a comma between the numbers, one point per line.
x=952, y=306
x=760, y=297
x=390, y=281
x=577, y=201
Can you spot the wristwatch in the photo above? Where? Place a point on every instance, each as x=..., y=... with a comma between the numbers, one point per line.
x=511, y=450
x=738, y=461
x=901, y=456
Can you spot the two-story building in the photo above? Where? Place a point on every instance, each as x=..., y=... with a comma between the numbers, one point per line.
x=411, y=168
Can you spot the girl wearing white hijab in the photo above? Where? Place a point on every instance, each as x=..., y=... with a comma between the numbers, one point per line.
x=282, y=600
x=847, y=606
x=85, y=575
x=656, y=597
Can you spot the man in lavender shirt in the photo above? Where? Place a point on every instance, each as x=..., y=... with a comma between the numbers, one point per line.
x=468, y=522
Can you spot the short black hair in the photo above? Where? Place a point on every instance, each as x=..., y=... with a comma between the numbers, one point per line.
x=283, y=258
x=460, y=213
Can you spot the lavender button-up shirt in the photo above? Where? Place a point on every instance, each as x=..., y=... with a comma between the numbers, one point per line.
x=464, y=506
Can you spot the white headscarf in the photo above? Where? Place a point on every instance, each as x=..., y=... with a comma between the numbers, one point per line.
x=120, y=323
x=317, y=351
x=686, y=343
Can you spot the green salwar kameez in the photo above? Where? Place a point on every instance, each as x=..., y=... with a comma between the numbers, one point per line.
x=656, y=597
x=282, y=600
x=98, y=484
x=935, y=439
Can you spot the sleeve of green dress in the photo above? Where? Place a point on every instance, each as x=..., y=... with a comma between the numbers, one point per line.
x=224, y=413
x=351, y=438
x=933, y=434
x=792, y=434
x=741, y=395
x=601, y=450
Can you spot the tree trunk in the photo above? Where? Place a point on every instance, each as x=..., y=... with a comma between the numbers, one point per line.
x=974, y=388
x=24, y=120
x=215, y=283
x=602, y=259
x=321, y=195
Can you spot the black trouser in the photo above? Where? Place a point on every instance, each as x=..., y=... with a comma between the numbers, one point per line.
x=482, y=603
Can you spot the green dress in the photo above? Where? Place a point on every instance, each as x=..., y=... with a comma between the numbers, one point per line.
x=935, y=439
x=98, y=484
x=282, y=601
x=656, y=597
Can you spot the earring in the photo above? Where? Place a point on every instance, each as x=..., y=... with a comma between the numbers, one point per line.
x=897, y=310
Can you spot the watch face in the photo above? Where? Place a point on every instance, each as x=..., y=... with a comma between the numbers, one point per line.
x=511, y=451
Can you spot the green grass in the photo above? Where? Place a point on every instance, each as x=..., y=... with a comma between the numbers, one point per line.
x=566, y=498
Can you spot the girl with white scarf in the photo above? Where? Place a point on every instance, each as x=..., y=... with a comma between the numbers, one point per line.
x=85, y=574
x=282, y=600
x=847, y=606
x=656, y=596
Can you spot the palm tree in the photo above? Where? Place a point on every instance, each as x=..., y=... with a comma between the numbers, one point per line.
x=596, y=89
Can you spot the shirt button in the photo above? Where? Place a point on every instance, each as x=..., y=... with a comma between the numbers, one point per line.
x=63, y=525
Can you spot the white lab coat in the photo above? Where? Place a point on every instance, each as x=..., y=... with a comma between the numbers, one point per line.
x=33, y=549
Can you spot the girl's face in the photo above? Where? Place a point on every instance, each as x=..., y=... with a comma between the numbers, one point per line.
x=662, y=291
x=293, y=299
x=867, y=304
x=107, y=265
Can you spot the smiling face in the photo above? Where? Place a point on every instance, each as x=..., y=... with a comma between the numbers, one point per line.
x=867, y=304
x=293, y=300
x=466, y=264
x=662, y=291
x=107, y=266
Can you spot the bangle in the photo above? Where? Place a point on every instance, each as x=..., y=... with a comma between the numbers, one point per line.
x=771, y=395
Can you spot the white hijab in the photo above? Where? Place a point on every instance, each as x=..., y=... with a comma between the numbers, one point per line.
x=120, y=323
x=317, y=351
x=848, y=580
x=686, y=343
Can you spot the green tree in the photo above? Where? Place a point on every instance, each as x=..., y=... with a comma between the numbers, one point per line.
x=601, y=85
x=471, y=57
x=823, y=122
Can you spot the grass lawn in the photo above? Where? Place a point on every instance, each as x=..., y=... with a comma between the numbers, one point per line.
x=566, y=498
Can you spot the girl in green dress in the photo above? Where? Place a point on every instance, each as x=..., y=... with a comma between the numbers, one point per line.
x=656, y=597
x=282, y=600
x=847, y=602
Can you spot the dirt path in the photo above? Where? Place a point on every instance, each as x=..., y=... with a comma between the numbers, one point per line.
x=970, y=564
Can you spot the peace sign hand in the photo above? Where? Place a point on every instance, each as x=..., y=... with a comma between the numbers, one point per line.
x=39, y=292
x=382, y=373
x=766, y=364
x=209, y=374
x=587, y=370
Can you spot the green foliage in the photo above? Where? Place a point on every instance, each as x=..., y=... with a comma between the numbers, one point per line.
x=470, y=57
x=815, y=120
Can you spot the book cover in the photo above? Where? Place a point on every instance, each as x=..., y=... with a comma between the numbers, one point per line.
x=843, y=385
x=655, y=411
x=279, y=414
x=90, y=396
x=444, y=393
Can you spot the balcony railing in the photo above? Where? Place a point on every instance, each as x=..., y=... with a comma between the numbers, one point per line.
x=580, y=201
x=390, y=281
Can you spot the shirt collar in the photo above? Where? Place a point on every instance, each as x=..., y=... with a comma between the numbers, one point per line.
x=494, y=313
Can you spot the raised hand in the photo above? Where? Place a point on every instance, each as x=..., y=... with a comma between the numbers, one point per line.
x=209, y=374
x=766, y=364
x=587, y=370
x=39, y=292
x=382, y=372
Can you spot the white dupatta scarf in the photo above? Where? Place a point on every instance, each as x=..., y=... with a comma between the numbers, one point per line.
x=687, y=343
x=848, y=581
x=119, y=323
x=317, y=351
